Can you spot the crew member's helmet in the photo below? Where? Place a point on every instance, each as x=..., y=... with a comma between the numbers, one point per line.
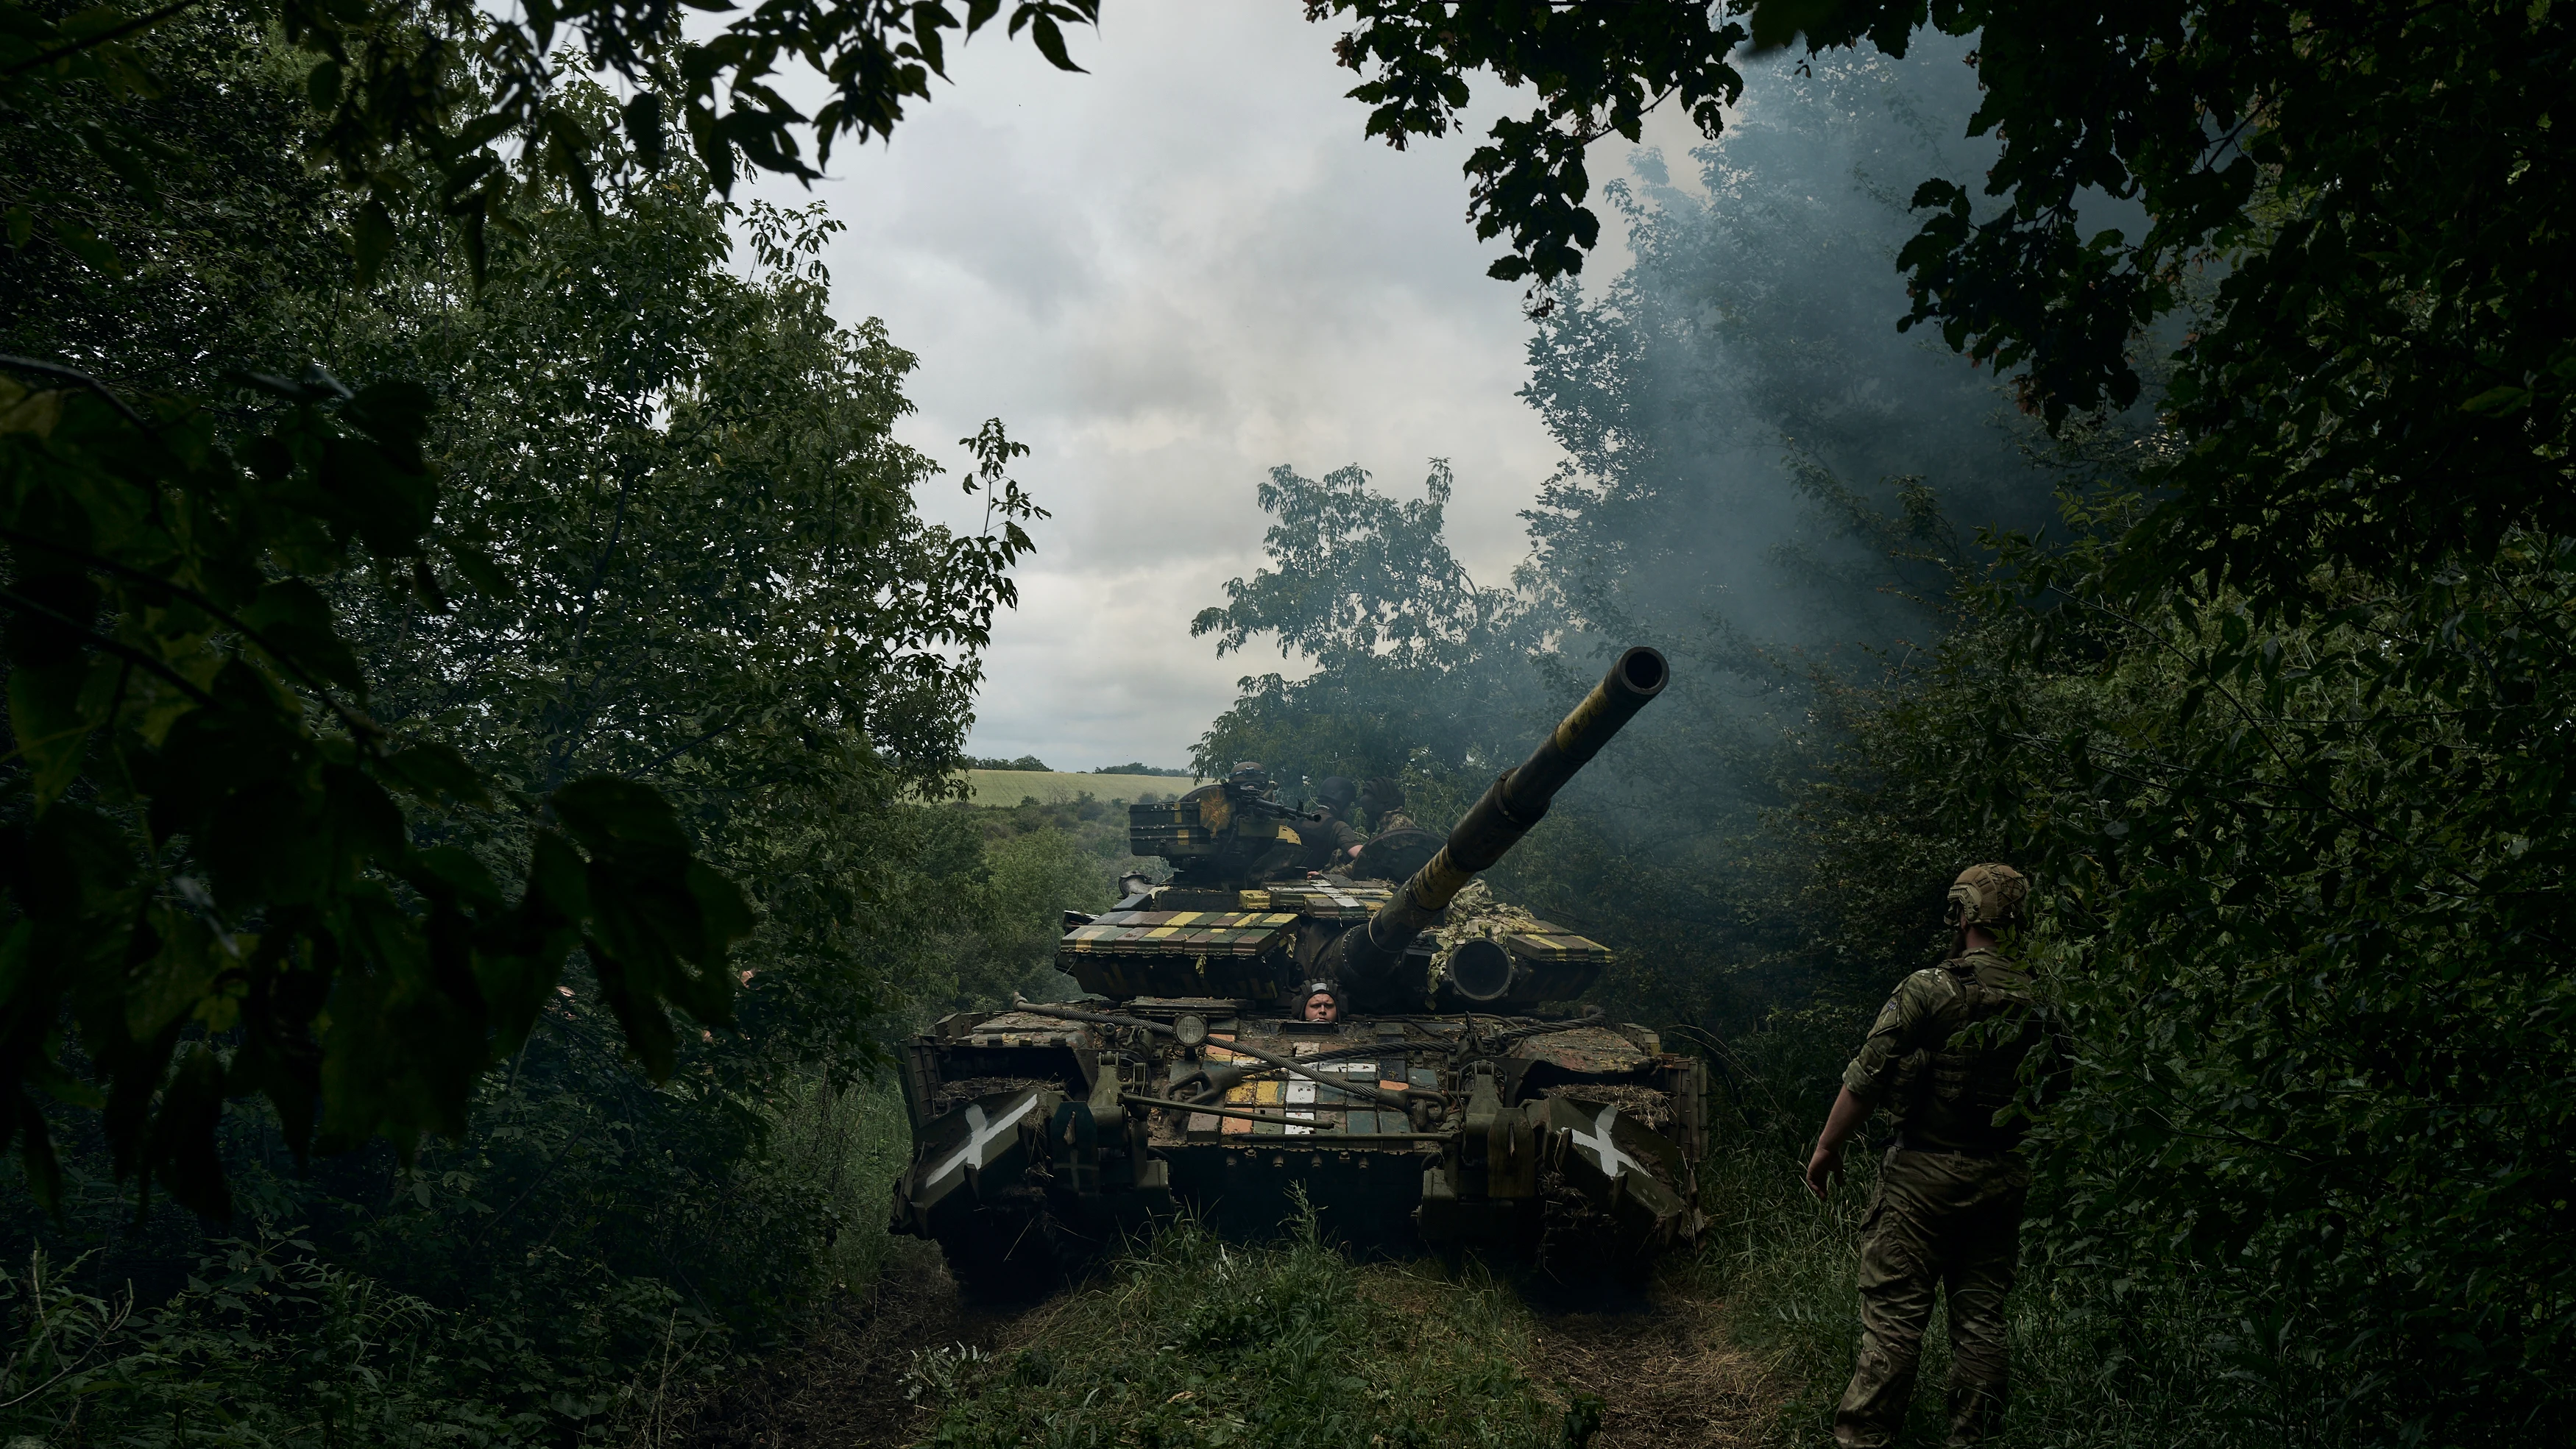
x=1381, y=794
x=1992, y=895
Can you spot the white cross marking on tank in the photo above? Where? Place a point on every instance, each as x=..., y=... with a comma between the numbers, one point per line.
x=1613, y=1161
x=978, y=1132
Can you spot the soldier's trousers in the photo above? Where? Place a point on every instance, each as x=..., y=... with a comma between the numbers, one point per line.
x=1940, y=1221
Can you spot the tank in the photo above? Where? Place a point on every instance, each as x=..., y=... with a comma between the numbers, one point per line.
x=1461, y=1103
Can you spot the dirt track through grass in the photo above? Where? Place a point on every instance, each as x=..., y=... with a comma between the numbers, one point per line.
x=843, y=1386
x=1660, y=1362
x=1664, y=1372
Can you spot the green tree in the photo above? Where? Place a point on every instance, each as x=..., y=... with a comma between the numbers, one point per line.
x=221, y=866
x=1365, y=586
x=2381, y=374
x=725, y=588
x=720, y=585
x=229, y=221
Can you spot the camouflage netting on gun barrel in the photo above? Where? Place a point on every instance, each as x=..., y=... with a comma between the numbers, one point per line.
x=1474, y=915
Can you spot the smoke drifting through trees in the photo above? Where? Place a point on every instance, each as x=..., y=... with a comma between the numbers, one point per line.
x=1764, y=479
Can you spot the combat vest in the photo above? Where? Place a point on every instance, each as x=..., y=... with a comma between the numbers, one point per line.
x=1985, y=1023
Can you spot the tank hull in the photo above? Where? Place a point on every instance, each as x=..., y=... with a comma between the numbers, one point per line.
x=1042, y=1141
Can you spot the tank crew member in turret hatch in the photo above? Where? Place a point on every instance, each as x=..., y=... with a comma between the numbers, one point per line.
x=1323, y=1002
x=1396, y=846
x=1382, y=802
x=1333, y=840
x=1947, y=1056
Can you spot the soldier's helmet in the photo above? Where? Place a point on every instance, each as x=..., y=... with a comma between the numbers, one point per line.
x=1382, y=793
x=1991, y=894
x=1337, y=792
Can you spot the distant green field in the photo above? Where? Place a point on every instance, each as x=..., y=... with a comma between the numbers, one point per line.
x=1051, y=787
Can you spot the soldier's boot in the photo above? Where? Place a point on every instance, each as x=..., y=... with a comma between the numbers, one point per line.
x=1897, y=1282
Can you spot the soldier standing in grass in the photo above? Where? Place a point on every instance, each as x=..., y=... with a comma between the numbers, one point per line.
x=1946, y=1056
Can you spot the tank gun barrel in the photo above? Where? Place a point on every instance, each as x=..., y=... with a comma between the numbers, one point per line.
x=1370, y=953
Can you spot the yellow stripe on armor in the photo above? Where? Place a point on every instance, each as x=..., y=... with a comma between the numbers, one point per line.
x=1574, y=726
x=1439, y=882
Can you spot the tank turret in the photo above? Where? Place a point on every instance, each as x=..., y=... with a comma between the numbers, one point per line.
x=1246, y=914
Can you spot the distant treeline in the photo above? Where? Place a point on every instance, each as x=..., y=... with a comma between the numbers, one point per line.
x=1032, y=762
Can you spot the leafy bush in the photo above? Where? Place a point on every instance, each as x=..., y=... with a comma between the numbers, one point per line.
x=2153, y=1357
x=714, y=590
x=572, y=1289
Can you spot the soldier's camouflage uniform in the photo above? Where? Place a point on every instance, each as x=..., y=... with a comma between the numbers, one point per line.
x=1327, y=842
x=1946, y=1053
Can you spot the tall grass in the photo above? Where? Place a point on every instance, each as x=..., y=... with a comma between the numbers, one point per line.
x=2100, y=1360
x=269, y=1341
x=851, y=1145
x=1193, y=1341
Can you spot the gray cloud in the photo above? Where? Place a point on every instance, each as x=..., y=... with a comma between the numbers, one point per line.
x=1167, y=276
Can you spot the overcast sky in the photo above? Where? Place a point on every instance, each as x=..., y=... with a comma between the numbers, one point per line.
x=1167, y=276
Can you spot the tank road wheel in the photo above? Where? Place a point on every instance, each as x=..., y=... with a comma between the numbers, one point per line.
x=1013, y=1249
x=1579, y=1244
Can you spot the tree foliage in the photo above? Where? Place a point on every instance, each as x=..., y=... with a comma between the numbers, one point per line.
x=213, y=835
x=243, y=855
x=2381, y=374
x=419, y=102
x=1598, y=69
x=1364, y=586
x=677, y=549
x=663, y=550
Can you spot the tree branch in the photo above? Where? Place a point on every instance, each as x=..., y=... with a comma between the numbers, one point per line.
x=125, y=652
x=74, y=374
x=144, y=21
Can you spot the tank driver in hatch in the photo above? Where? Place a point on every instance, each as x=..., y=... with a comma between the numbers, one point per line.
x=1946, y=1056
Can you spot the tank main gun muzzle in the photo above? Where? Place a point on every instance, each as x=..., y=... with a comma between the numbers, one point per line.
x=1370, y=953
